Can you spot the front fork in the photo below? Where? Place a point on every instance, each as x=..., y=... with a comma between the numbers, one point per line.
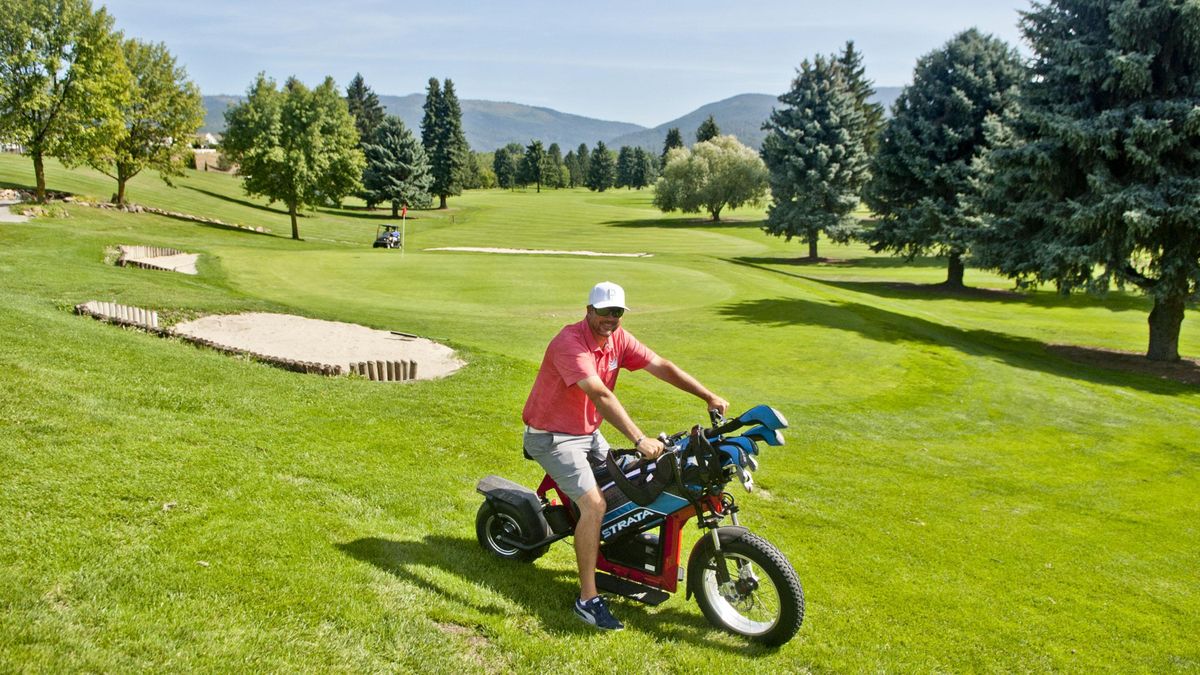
x=727, y=506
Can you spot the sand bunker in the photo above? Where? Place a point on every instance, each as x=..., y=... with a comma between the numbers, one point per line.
x=332, y=343
x=536, y=251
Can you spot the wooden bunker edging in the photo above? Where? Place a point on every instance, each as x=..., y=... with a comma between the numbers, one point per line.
x=386, y=371
x=132, y=256
x=144, y=319
x=125, y=315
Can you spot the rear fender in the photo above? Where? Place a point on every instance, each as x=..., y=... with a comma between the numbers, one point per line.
x=497, y=489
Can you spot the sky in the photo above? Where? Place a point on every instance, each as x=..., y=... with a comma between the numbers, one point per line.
x=642, y=62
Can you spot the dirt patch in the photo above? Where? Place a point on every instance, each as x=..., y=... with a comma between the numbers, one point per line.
x=333, y=343
x=1186, y=371
x=536, y=251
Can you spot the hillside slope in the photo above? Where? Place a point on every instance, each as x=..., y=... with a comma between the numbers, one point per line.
x=488, y=124
x=741, y=116
x=494, y=124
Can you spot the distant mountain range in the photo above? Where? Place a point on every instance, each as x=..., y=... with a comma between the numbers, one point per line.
x=492, y=124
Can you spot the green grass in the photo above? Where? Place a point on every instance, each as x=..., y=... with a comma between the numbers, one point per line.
x=953, y=496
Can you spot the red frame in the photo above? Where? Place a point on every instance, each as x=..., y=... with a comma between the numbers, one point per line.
x=671, y=540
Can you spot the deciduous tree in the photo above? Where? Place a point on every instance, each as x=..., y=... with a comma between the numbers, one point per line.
x=295, y=145
x=397, y=170
x=162, y=111
x=714, y=175
x=63, y=81
x=925, y=174
x=1096, y=180
x=814, y=150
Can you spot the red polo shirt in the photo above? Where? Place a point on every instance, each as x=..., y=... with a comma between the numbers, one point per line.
x=556, y=403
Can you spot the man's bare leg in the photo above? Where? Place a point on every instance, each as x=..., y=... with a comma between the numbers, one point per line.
x=587, y=540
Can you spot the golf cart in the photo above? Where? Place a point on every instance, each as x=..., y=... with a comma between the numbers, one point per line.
x=387, y=236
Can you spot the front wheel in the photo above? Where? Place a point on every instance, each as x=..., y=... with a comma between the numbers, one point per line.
x=762, y=600
x=500, y=518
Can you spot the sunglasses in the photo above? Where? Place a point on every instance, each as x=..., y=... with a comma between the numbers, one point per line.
x=609, y=311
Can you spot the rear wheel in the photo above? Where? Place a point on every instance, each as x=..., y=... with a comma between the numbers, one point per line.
x=499, y=518
x=762, y=600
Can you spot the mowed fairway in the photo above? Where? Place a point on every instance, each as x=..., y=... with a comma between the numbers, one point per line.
x=954, y=496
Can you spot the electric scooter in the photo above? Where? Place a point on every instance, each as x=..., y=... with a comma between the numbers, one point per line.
x=742, y=583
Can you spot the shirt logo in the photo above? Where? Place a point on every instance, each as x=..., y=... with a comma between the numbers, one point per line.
x=612, y=363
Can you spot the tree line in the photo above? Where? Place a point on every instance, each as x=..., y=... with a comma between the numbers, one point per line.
x=1079, y=167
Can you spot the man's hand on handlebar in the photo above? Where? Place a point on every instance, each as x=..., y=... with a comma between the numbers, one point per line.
x=650, y=448
x=717, y=403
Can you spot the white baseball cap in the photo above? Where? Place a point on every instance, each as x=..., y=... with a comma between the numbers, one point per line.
x=607, y=294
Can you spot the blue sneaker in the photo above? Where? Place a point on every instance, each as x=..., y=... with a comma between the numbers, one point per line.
x=595, y=612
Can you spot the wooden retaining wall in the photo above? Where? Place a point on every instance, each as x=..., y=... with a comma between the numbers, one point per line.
x=132, y=256
x=385, y=371
x=146, y=252
x=121, y=314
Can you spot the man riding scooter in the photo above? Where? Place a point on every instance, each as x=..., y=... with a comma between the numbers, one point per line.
x=572, y=394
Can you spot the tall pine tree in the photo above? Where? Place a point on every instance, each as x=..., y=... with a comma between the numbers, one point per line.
x=625, y=167
x=533, y=164
x=503, y=167
x=365, y=107
x=602, y=168
x=816, y=155
x=397, y=169
x=862, y=89
x=708, y=130
x=444, y=140
x=1096, y=180
x=925, y=174
x=554, y=166
x=674, y=140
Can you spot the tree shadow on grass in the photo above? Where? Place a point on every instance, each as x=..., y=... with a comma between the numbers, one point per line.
x=909, y=291
x=527, y=588
x=235, y=200
x=679, y=223
x=192, y=220
x=1100, y=366
x=362, y=213
x=851, y=263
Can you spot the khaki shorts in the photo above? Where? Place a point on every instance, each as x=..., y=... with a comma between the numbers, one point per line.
x=565, y=458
